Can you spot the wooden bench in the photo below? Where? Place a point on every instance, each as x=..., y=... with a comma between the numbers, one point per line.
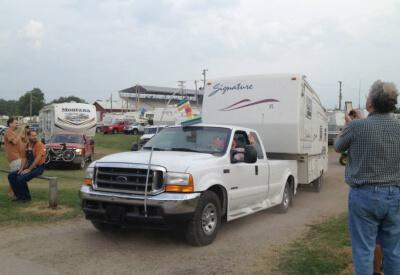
x=53, y=188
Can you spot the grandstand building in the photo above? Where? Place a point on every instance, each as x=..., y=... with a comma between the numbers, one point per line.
x=143, y=97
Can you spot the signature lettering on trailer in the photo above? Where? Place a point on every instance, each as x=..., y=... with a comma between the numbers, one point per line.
x=219, y=87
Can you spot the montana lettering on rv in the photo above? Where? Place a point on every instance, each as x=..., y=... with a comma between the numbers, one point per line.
x=219, y=87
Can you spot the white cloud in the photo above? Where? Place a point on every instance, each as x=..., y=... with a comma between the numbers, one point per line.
x=33, y=31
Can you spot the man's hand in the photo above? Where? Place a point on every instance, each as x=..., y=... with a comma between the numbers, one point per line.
x=26, y=171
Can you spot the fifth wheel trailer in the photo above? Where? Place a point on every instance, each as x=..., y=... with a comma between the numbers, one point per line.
x=68, y=117
x=283, y=108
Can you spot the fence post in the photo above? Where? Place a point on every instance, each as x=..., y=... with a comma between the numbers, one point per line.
x=53, y=193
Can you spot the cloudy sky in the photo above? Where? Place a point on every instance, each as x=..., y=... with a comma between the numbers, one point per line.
x=91, y=48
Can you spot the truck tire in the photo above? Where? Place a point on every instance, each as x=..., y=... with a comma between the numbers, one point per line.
x=287, y=197
x=316, y=185
x=203, y=227
x=135, y=132
x=114, y=131
x=105, y=227
x=82, y=163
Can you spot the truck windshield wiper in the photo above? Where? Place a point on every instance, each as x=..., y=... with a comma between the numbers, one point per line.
x=183, y=149
x=155, y=148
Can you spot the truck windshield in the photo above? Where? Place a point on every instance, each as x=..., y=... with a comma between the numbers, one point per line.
x=66, y=139
x=210, y=140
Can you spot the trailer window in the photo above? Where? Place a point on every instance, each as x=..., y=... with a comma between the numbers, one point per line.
x=309, y=107
x=320, y=133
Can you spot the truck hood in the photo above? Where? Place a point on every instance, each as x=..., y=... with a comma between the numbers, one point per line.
x=173, y=161
x=69, y=145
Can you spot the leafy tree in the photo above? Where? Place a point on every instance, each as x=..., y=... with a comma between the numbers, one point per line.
x=37, y=102
x=8, y=107
x=63, y=99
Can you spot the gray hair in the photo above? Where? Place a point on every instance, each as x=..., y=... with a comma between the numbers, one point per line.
x=383, y=96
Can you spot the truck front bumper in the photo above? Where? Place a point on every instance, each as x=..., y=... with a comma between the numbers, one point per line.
x=165, y=208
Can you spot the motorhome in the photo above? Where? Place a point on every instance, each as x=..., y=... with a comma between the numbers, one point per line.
x=285, y=111
x=261, y=137
x=68, y=117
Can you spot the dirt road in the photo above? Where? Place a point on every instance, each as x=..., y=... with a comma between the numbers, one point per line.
x=75, y=247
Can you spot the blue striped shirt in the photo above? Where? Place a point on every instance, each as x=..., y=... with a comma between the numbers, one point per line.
x=373, y=146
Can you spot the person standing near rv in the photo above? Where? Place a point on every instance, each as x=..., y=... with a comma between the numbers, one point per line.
x=373, y=174
x=32, y=166
x=13, y=147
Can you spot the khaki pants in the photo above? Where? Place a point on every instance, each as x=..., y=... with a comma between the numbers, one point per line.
x=14, y=166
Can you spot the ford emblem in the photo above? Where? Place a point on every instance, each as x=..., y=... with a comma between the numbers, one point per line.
x=122, y=179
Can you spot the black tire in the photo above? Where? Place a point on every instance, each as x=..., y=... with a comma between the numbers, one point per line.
x=98, y=130
x=105, y=227
x=343, y=160
x=287, y=198
x=135, y=132
x=82, y=164
x=203, y=227
x=114, y=131
x=316, y=185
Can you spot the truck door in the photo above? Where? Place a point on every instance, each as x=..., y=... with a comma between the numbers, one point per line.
x=243, y=178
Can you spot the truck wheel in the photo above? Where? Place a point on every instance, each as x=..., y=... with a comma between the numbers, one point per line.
x=283, y=207
x=317, y=184
x=114, y=131
x=203, y=227
x=343, y=160
x=105, y=227
x=82, y=164
x=135, y=132
x=98, y=130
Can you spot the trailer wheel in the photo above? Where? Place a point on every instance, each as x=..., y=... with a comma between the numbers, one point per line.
x=287, y=197
x=203, y=227
x=317, y=184
x=105, y=227
x=135, y=132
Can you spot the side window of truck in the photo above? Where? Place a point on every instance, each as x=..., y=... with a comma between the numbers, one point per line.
x=257, y=145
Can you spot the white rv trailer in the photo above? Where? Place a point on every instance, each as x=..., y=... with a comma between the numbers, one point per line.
x=68, y=117
x=283, y=108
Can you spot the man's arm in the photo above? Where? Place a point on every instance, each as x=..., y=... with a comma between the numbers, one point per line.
x=343, y=140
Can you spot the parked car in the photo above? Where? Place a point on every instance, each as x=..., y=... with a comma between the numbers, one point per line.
x=115, y=127
x=134, y=128
x=71, y=148
x=148, y=133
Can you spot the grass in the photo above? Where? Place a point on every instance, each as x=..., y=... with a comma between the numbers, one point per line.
x=69, y=181
x=325, y=249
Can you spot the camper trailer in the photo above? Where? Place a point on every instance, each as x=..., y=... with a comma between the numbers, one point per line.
x=68, y=117
x=285, y=111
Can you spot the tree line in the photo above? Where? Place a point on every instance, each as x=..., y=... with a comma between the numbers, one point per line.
x=21, y=107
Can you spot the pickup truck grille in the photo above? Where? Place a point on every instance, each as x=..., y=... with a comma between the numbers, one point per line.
x=128, y=180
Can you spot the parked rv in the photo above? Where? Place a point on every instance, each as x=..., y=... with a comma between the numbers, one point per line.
x=68, y=117
x=261, y=137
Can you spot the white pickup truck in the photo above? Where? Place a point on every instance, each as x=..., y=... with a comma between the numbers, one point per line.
x=198, y=176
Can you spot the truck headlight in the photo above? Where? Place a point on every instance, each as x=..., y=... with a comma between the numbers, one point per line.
x=89, y=174
x=179, y=182
x=78, y=151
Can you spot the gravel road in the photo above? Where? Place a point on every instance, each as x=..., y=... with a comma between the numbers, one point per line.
x=243, y=246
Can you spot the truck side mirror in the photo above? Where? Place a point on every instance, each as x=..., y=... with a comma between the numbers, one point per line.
x=250, y=154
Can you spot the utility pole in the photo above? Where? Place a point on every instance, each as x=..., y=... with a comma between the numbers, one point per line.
x=30, y=106
x=204, y=78
x=137, y=97
x=340, y=95
x=111, y=104
x=181, y=85
x=197, y=97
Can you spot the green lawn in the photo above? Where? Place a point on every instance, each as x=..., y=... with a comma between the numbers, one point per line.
x=69, y=181
x=325, y=249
